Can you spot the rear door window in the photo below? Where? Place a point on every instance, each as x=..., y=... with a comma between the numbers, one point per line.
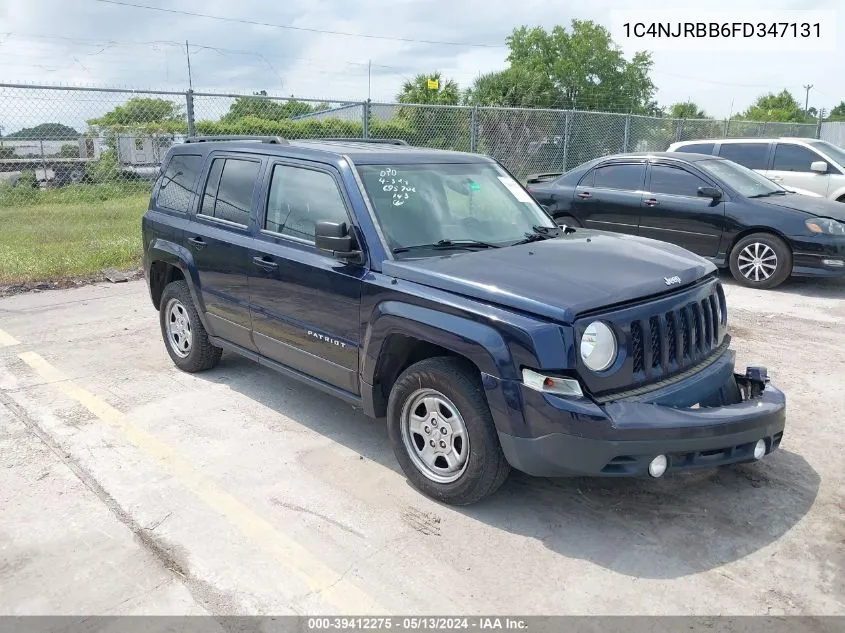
x=628, y=177
x=176, y=191
x=229, y=189
x=751, y=155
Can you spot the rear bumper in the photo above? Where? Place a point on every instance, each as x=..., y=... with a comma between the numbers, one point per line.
x=621, y=438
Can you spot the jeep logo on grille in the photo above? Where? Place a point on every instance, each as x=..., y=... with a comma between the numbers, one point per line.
x=671, y=281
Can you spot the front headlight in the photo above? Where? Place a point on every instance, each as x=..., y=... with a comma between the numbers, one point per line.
x=598, y=346
x=826, y=226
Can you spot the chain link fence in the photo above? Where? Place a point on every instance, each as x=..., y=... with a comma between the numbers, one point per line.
x=78, y=144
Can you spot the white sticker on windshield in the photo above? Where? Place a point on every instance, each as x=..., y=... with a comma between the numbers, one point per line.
x=518, y=192
x=400, y=187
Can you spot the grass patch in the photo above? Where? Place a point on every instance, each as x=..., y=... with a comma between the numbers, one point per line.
x=50, y=241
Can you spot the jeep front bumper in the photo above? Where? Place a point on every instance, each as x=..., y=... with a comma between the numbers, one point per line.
x=562, y=436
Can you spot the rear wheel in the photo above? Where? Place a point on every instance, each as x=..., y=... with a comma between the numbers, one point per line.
x=184, y=335
x=761, y=260
x=442, y=432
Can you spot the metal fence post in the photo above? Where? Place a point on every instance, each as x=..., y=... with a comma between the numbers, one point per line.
x=473, y=129
x=43, y=162
x=627, y=134
x=819, y=124
x=365, y=119
x=727, y=127
x=566, y=126
x=189, y=109
x=679, y=129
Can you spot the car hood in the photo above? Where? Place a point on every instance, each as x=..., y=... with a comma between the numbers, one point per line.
x=559, y=278
x=816, y=206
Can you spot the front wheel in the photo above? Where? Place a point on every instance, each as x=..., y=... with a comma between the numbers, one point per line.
x=442, y=432
x=761, y=260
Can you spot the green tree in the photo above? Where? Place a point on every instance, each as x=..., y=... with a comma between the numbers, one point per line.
x=585, y=66
x=837, y=113
x=686, y=110
x=776, y=107
x=141, y=110
x=46, y=132
x=417, y=90
x=269, y=109
x=512, y=87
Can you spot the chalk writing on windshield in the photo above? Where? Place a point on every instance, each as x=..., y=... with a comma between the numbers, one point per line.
x=401, y=189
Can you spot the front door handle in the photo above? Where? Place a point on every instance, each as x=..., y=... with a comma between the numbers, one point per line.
x=198, y=242
x=265, y=262
x=584, y=195
x=776, y=178
x=651, y=202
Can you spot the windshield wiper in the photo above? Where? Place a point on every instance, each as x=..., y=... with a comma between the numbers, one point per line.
x=541, y=233
x=446, y=244
x=769, y=193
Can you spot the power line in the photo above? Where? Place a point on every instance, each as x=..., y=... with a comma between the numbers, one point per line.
x=296, y=28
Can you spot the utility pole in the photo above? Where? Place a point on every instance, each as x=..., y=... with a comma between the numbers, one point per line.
x=369, y=77
x=807, y=97
x=188, y=54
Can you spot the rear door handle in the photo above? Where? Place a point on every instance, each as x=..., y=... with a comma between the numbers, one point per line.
x=198, y=242
x=584, y=195
x=651, y=202
x=265, y=262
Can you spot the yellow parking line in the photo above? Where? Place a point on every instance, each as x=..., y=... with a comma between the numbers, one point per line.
x=329, y=584
x=7, y=340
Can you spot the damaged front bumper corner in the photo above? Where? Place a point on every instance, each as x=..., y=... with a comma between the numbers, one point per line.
x=563, y=436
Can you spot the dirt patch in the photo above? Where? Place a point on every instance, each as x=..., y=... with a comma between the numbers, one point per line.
x=71, y=282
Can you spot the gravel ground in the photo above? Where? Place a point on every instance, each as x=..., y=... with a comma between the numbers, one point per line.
x=240, y=491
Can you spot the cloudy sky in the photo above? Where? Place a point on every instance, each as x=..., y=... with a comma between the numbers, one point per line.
x=93, y=43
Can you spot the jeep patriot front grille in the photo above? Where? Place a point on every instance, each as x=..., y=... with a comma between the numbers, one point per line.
x=675, y=340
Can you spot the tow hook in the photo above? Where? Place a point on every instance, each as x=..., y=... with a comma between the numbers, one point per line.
x=757, y=378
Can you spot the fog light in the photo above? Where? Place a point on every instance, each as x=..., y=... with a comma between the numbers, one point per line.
x=835, y=263
x=658, y=465
x=759, y=449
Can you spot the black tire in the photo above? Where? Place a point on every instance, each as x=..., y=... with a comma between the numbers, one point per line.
x=201, y=354
x=568, y=220
x=485, y=467
x=766, y=244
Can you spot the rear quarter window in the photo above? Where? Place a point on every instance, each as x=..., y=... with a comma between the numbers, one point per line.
x=696, y=148
x=176, y=191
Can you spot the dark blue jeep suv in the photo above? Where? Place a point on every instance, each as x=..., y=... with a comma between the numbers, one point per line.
x=429, y=288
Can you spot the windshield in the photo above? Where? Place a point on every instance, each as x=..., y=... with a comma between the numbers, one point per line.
x=421, y=204
x=831, y=150
x=744, y=181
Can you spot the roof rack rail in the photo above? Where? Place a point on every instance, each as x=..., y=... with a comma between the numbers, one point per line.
x=276, y=140
x=380, y=141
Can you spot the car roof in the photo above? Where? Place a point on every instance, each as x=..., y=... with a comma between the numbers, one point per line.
x=359, y=151
x=689, y=157
x=750, y=139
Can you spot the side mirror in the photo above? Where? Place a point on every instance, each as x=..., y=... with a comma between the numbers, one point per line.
x=336, y=238
x=710, y=192
x=818, y=166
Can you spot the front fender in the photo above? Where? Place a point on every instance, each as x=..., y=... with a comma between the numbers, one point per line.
x=168, y=252
x=481, y=344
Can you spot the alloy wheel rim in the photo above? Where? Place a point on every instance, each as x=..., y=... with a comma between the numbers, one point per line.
x=757, y=262
x=180, y=335
x=435, y=436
